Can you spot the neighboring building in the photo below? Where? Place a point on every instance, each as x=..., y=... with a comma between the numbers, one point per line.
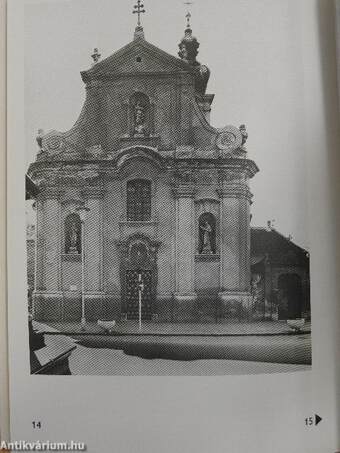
x=167, y=196
x=280, y=276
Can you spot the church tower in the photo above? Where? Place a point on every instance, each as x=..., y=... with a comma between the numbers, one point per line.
x=166, y=196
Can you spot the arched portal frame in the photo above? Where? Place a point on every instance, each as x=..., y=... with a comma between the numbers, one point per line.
x=138, y=256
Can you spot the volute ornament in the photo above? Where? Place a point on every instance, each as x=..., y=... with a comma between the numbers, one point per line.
x=229, y=139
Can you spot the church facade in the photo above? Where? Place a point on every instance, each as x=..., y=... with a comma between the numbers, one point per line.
x=166, y=197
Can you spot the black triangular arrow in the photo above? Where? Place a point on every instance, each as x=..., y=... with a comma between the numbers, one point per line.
x=317, y=419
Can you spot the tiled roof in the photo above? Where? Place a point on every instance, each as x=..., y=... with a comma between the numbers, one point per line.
x=278, y=248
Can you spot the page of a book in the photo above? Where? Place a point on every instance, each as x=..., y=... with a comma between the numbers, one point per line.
x=172, y=256
x=4, y=407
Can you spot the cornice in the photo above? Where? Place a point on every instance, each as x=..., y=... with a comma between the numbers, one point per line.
x=93, y=192
x=184, y=192
x=112, y=163
x=50, y=193
x=91, y=80
x=235, y=191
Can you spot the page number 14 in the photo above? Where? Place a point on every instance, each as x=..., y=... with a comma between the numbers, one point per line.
x=36, y=424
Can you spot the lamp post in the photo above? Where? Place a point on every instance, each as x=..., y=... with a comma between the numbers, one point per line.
x=82, y=210
x=140, y=290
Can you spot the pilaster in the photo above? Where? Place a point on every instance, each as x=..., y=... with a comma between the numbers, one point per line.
x=51, y=239
x=185, y=294
x=93, y=240
x=235, y=245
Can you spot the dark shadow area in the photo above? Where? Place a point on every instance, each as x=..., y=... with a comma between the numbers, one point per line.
x=279, y=349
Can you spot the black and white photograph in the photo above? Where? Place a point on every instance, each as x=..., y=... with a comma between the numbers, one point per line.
x=166, y=200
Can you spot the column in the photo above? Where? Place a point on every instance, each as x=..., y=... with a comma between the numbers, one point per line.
x=185, y=251
x=52, y=241
x=93, y=254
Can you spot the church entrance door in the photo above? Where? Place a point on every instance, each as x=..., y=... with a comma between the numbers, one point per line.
x=138, y=256
x=132, y=296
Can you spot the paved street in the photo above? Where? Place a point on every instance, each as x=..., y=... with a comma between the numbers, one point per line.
x=104, y=354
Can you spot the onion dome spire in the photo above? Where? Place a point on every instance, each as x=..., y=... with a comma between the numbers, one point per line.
x=188, y=51
x=188, y=47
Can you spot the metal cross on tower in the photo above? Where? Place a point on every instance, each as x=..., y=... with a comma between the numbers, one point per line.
x=139, y=9
x=188, y=15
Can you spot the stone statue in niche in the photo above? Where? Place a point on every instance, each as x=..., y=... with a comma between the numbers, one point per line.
x=140, y=123
x=206, y=245
x=72, y=234
x=74, y=238
x=207, y=234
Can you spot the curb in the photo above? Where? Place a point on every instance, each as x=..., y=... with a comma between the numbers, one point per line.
x=153, y=334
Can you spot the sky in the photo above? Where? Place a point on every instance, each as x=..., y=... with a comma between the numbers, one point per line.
x=252, y=47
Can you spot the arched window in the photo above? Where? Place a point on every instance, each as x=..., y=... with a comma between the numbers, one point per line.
x=138, y=200
x=72, y=233
x=207, y=234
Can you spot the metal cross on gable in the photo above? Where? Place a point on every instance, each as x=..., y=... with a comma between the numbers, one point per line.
x=139, y=9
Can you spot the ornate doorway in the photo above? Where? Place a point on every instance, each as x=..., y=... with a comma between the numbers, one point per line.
x=138, y=257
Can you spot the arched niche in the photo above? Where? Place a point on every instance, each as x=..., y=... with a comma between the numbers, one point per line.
x=72, y=234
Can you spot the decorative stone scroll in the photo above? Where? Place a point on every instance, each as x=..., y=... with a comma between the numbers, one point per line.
x=229, y=139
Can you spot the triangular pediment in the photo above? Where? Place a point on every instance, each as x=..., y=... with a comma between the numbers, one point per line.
x=139, y=56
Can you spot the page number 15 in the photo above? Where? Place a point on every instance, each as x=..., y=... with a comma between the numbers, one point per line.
x=309, y=421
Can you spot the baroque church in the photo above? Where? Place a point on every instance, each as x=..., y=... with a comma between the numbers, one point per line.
x=144, y=190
